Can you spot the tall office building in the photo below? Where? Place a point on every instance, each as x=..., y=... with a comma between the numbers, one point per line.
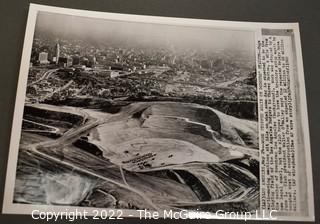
x=92, y=61
x=43, y=58
x=57, y=53
x=75, y=60
x=69, y=61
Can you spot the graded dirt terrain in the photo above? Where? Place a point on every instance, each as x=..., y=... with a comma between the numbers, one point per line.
x=156, y=135
x=153, y=155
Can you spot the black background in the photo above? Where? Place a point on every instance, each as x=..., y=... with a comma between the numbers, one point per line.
x=13, y=18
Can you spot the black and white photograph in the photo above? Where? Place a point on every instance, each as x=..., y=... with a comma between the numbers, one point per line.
x=130, y=115
x=138, y=115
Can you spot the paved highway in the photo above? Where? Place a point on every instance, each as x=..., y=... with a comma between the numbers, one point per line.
x=45, y=75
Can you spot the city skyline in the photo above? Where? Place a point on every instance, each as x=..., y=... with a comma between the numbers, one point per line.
x=109, y=32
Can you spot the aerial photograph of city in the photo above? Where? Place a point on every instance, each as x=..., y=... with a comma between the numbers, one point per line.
x=137, y=115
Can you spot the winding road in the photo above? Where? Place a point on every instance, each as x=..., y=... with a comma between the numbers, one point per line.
x=45, y=75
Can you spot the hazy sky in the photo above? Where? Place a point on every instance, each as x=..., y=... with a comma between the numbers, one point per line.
x=144, y=33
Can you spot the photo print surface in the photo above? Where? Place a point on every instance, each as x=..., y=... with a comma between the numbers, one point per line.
x=133, y=115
